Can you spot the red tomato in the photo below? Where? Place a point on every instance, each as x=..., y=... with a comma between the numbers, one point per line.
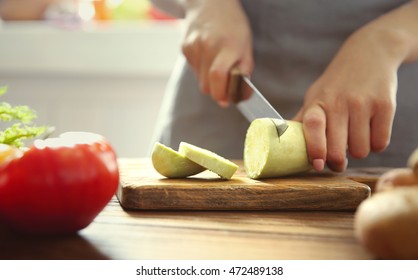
x=59, y=185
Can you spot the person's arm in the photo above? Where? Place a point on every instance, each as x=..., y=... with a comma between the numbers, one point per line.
x=217, y=38
x=353, y=103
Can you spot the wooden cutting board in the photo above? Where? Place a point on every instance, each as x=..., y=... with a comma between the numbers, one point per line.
x=141, y=187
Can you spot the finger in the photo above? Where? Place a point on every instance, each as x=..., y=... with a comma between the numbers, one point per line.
x=205, y=65
x=219, y=75
x=246, y=67
x=337, y=131
x=317, y=154
x=359, y=132
x=314, y=124
x=381, y=127
x=191, y=51
x=209, y=50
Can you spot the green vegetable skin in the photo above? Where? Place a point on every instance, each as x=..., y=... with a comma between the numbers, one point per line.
x=172, y=164
x=213, y=162
x=22, y=128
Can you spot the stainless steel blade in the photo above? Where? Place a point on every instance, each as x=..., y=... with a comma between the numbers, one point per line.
x=257, y=106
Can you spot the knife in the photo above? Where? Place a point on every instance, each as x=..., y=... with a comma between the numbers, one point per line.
x=256, y=106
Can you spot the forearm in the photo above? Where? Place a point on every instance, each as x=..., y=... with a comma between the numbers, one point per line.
x=397, y=31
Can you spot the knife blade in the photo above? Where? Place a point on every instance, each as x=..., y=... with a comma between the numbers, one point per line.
x=256, y=106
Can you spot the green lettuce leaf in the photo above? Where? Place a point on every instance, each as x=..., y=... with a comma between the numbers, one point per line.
x=19, y=124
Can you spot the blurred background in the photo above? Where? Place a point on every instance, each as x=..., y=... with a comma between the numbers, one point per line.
x=89, y=65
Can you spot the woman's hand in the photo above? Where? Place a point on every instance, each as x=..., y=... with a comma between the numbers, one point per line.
x=353, y=103
x=218, y=37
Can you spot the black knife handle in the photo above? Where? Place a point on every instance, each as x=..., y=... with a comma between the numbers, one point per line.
x=235, y=86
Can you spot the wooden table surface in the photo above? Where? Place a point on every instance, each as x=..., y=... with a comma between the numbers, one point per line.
x=120, y=234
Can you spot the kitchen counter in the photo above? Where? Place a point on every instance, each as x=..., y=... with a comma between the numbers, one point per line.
x=139, y=234
x=119, y=234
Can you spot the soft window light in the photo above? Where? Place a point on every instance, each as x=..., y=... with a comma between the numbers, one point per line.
x=86, y=10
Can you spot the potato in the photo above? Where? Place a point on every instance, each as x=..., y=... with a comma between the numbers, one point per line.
x=267, y=155
x=387, y=223
x=399, y=177
x=413, y=162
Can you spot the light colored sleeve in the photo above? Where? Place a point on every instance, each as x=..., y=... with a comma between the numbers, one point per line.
x=171, y=7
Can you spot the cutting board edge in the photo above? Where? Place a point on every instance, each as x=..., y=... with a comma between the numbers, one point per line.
x=131, y=197
x=139, y=198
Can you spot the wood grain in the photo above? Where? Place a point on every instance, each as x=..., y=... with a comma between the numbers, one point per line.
x=123, y=234
x=368, y=176
x=202, y=235
x=141, y=187
x=144, y=234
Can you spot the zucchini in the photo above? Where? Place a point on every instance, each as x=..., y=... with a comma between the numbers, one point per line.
x=266, y=155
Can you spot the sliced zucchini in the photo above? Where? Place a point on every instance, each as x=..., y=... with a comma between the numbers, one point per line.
x=172, y=164
x=211, y=161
